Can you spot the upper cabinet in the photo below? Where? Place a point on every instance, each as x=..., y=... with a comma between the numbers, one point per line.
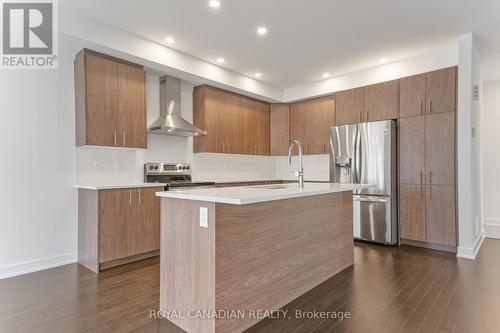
x=235, y=124
x=381, y=101
x=433, y=92
x=412, y=96
x=279, y=129
x=349, y=107
x=310, y=122
x=370, y=103
x=441, y=90
x=110, y=101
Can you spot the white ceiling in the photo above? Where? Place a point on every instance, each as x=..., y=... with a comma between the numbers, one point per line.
x=305, y=37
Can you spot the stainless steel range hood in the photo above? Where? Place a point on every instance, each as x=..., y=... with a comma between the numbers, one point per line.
x=170, y=121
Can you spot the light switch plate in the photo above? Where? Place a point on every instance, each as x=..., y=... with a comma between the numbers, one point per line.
x=204, y=217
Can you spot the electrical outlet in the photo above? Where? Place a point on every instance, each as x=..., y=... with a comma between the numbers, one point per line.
x=204, y=217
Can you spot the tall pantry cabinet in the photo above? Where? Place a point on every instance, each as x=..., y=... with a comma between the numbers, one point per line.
x=427, y=159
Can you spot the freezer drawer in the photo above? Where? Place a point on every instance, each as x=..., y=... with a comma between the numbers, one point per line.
x=375, y=219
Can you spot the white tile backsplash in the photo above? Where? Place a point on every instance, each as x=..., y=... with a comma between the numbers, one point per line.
x=316, y=167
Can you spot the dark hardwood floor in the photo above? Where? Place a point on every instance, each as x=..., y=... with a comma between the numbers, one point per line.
x=401, y=289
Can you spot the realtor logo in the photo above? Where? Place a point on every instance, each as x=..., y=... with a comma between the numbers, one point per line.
x=29, y=37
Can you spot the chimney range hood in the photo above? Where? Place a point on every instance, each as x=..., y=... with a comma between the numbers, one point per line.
x=170, y=121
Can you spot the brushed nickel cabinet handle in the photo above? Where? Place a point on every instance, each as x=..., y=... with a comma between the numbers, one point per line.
x=421, y=177
x=130, y=197
x=115, y=137
x=421, y=107
x=360, y=115
x=421, y=190
x=367, y=115
x=430, y=177
x=430, y=106
x=123, y=136
x=139, y=196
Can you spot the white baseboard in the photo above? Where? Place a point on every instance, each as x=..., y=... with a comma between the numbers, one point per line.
x=471, y=252
x=36, y=265
x=491, y=228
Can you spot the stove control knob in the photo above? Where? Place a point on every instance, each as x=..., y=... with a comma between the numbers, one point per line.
x=151, y=167
x=156, y=167
x=188, y=167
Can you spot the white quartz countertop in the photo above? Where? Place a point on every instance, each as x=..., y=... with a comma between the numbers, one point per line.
x=118, y=186
x=259, y=193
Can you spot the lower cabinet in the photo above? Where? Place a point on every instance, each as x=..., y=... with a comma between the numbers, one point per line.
x=117, y=225
x=427, y=214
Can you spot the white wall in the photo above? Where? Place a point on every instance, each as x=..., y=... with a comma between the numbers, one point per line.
x=469, y=158
x=491, y=159
x=442, y=57
x=38, y=204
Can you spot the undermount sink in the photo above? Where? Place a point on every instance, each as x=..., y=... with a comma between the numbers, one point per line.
x=274, y=187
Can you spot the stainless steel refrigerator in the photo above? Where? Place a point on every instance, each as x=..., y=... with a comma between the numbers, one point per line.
x=366, y=154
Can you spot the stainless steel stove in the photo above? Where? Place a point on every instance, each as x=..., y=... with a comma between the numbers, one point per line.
x=177, y=176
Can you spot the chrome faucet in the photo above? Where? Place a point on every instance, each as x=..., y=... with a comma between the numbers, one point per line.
x=300, y=172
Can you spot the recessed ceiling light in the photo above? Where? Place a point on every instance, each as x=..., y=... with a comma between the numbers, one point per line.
x=214, y=3
x=383, y=60
x=326, y=75
x=257, y=74
x=170, y=40
x=220, y=60
x=262, y=30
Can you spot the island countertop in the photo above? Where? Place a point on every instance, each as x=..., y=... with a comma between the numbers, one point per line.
x=259, y=193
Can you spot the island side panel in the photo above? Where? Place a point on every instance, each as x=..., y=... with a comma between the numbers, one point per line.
x=268, y=254
x=187, y=262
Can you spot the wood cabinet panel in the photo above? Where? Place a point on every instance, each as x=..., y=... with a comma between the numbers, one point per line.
x=279, y=129
x=298, y=124
x=132, y=106
x=440, y=215
x=441, y=91
x=412, y=96
x=328, y=121
x=412, y=212
x=310, y=123
x=234, y=123
x=145, y=229
x=263, y=129
x=101, y=101
x=110, y=101
x=349, y=106
x=412, y=150
x=440, y=149
x=381, y=101
x=115, y=215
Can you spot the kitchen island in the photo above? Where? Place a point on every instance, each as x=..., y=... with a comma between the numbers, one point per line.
x=231, y=255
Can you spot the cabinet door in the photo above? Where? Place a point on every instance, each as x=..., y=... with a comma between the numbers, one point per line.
x=279, y=129
x=412, y=150
x=208, y=115
x=101, y=119
x=263, y=130
x=132, y=106
x=412, y=212
x=237, y=138
x=349, y=106
x=115, y=215
x=440, y=215
x=381, y=101
x=298, y=124
x=328, y=121
x=144, y=232
x=315, y=127
x=412, y=96
x=441, y=91
x=440, y=148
